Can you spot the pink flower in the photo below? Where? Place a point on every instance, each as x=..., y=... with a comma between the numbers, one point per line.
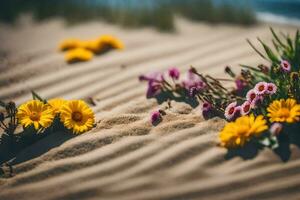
x=237, y=112
x=230, y=111
x=246, y=108
x=271, y=88
x=260, y=88
x=193, y=83
x=251, y=95
x=155, y=117
x=152, y=76
x=174, y=73
x=257, y=101
x=154, y=88
x=285, y=66
x=275, y=129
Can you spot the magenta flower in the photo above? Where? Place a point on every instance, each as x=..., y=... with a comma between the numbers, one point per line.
x=206, y=106
x=285, y=66
x=237, y=112
x=152, y=76
x=271, y=88
x=275, y=129
x=246, y=108
x=230, y=111
x=240, y=84
x=155, y=117
x=174, y=73
x=251, y=95
x=260, y=88
x=154, y=88
x=193, y=83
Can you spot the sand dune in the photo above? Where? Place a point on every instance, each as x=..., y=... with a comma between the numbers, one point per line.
x=125, y=157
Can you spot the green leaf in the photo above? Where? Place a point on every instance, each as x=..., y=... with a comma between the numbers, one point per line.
x=35, y=96
x=277, y=38
x=256, y=50
x=269, y=52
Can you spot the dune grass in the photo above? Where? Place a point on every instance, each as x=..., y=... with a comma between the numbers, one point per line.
x=128, y=13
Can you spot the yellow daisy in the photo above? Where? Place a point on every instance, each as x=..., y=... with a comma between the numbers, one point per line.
x=284, y=111
x=56, y=104
x=70, y=44
x=78, y=116
x=92, y=45
x=35, y=113
x=236, y=134
x=111, y=41
x=78, y=54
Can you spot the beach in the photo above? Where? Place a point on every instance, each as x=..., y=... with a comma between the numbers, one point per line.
x=125, y=156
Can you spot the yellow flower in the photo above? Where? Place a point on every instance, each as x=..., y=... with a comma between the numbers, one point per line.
x=78, y=116
x=78, y=54
x=284, y=111
x=35, y=113
x=70, y=44
x=56, y=104
x=111, y=41
x=236, y=134
x=92, y=45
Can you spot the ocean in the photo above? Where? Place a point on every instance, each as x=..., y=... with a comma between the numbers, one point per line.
x=280, y=11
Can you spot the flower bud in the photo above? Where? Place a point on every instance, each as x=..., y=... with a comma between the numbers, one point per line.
x=294, y=76
x=264, y=69
x=229, y=71
x=2, y=117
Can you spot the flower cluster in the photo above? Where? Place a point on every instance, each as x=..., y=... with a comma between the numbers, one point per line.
x=84, y=50
x=263, y=105
x=254, y=99
x=75, y=115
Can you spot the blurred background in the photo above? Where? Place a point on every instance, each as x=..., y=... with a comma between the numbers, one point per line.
x=159, y=14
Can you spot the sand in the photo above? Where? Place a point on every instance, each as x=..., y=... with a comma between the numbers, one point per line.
x=125, y=157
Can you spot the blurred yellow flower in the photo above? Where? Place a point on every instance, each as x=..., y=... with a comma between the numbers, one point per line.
x=56, y=104
x=78, y=54
x=111, y=41
x=35, y=113
x=77, y=116
x=284, y=111
x=92, y=45
x=236, y=134
x=70, y=44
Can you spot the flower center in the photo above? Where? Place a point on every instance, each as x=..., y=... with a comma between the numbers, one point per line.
x=284, y=113
x=261, y=88
x=77, y=116
x=270, y=88
x=34, y=116
x=246, y=108
x=231, y=110
x=252, y=96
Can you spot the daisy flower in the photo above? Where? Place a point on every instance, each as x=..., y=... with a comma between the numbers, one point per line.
x=285, y=66
x=154, y=88
x=251, y=95
x=56, y=104
x=271, y=88
x=284, y=111
x=78, y=54
x=70, y=44
x=77, y=116
x=238, y=133
x=260, y=88
x=35, y=113
x=246, y=108
x=230, y=111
